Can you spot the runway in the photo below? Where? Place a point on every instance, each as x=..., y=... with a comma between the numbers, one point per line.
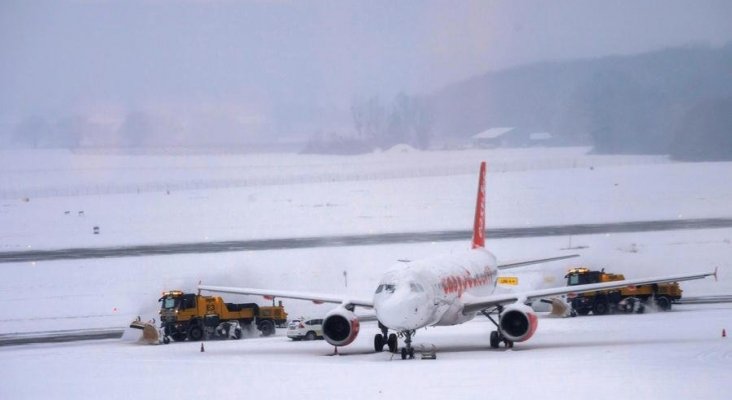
x=359, y=240
x=329, y=241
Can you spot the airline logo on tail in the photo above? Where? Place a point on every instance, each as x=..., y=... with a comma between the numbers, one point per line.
x=479, y=224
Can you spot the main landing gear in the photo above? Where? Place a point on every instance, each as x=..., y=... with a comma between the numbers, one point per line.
x=496, y=336
x=384, y=338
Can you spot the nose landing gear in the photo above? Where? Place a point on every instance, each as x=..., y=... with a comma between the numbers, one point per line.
x=384, y=338
x=408, y=350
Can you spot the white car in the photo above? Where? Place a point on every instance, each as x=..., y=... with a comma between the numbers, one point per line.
x=305, y=329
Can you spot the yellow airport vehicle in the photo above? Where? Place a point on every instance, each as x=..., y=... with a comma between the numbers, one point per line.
x=195, y=317
x=628, y=299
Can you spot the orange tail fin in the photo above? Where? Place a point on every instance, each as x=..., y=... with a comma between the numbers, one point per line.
x=479, y=223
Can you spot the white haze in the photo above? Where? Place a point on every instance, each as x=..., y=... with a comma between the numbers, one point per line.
x=257, y=69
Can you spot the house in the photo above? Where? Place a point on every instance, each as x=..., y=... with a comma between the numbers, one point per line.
x=490, y=138
x=540, y=138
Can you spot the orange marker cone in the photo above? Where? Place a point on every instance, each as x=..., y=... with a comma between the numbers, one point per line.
x=202, y=350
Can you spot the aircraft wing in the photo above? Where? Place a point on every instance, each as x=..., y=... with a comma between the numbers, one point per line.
x=530, y=262
x=475, y=304
x=314, y=297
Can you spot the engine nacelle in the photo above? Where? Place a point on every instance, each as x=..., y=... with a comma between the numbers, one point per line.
x=340, y=327
x=518, y=322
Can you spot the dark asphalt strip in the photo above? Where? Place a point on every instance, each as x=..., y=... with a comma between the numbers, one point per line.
x=359, y=240
x=59, y=336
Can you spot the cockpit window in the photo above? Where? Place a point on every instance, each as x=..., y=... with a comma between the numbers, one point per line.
x=388, y=287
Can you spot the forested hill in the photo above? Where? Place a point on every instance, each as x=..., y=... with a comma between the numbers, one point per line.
x=676, y=101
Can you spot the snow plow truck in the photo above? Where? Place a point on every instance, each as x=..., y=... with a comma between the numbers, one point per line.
x=629, y=299
x=195, y=317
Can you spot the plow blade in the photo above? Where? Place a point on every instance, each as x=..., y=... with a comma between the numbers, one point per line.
x=559, y=307
x=150, y=333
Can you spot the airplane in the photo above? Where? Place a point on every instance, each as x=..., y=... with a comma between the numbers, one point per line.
x=442, y=291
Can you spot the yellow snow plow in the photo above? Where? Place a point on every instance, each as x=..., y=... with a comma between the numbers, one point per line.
x=150, y=333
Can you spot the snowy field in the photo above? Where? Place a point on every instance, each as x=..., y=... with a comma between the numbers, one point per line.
x=287, y=196
x=675, y=355
x=168, y=198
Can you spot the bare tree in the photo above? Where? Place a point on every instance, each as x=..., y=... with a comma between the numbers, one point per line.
x=369, y=118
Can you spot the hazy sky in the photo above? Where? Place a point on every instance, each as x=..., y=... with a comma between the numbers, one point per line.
x=75, y=55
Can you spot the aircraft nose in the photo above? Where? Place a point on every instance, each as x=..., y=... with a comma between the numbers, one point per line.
x=402, y=313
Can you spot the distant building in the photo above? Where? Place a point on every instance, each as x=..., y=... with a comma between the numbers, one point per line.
x=490, y=138
x=540, y=139
x=512, y=137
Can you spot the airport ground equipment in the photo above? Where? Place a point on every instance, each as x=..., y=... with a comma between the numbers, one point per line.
x=150, y=332
x=189, y=316
x=628, y=299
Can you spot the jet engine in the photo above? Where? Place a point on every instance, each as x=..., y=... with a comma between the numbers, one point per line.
x=340, y=327
x=518, y=322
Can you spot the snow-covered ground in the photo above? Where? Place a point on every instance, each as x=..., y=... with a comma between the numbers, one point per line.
x=676, y=355
x=679, y=354
x=286, y=196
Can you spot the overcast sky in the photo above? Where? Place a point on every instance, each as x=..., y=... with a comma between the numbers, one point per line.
x=75, y=55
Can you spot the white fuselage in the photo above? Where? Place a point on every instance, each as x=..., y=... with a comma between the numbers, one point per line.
x=429, y=292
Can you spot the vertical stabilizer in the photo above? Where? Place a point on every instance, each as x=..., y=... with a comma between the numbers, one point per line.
x=479, y=223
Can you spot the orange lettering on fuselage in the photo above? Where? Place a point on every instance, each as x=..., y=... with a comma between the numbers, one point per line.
x=459, y=284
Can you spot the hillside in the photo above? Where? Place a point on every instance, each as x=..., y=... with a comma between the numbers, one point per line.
x=645, y=103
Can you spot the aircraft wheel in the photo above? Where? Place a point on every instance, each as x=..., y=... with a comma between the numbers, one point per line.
x=495, y=340
x=392, y=343
x=404, y=353
x=378, y=343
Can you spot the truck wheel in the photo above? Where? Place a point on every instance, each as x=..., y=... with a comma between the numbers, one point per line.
x=195, y=333
x=583, y=311
x=663, y=303
x=178, y=337
x=601, y=307
x=237, y=333
x=267, y=328
x=166, y=340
